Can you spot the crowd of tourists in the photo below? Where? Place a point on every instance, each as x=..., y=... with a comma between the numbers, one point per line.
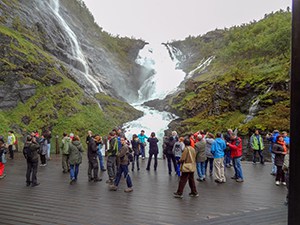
x=201, y=152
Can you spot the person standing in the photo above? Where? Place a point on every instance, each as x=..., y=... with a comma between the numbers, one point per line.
x=11, y=139
x=153, y=150
x=64, y=149
x=136, y=146
x=236, y=155
x=272, y=138
x=2, y=163
x=188, y=156
x=93, y=160
x=200, y=157
x=43, y=150
x=209, y=140
x=218, y=150
x=99, y=152
x=228, y=158
x=123, y=167
x=30, y=152
x=168, y=151
x=112, y=157
x=143, y=139
x=280, y=150
x=257, y=145
x=75, y=158
x=177, y=151
x=47, y=135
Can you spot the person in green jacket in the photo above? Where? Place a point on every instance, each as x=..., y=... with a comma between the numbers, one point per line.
x=64, y=148
x=257, y=145
x=75, y=158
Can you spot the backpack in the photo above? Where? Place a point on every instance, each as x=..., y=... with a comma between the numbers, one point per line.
x=130, y=156
x=177, y=149
x=28, y=154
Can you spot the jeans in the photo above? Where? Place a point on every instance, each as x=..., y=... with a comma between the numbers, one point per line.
x=142, y=150
x=171, y=157
x=123, y=169
x=201, y=170
x=74, y=170
x=211, y=165
x=135, y=159
x=274, y=168
x=260, y=155
x=178, y=166
x=237, y=167
x=149, y=161
x=101, y=160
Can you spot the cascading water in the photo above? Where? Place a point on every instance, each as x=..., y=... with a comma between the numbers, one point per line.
x=92, y=84
x=165, y=80
x=202, y=66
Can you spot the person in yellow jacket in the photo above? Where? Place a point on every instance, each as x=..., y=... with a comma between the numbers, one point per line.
x=11, y=139
x=257, y=145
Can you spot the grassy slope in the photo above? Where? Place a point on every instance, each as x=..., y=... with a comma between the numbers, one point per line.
x=249, y=59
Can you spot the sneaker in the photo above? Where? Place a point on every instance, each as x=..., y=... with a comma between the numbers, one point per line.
x=148, y=169
x=113, y=188
x=91, y=179
x=200, y=179
x=210, y=174
x=2, y=176
x=103, y=170
x=218, y=181
x=277, y=183
x=64, y=171
x=273, y=174
x=239, y=180
x=127, y=190
x=228, y=166
x=284, y=183
x=72, y=182
x=254, y=163
x=176, y=195
x=234, y=177
x=28, y=184
x=193, y=194
x=143, y=158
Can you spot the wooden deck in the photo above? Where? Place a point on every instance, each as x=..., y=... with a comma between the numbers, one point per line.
x=256, y=201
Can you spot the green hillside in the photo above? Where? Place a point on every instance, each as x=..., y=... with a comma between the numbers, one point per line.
x=251, y=62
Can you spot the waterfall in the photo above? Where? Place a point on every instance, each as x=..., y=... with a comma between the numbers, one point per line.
x=254, y=107
x=202, y=66
x=165, y=80
x=166, y=77
x=77, y=53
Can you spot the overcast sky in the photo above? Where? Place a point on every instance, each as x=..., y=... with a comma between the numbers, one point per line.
x=165, y=20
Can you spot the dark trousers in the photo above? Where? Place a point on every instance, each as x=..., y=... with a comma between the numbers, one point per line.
x=31, y=170
x=43, y=159
x=111, y=166
x=280, y=174
x=171, y=158
x=135, y=159
x=183, y=179
x=211, y=165
x=93, y=166
x=149, y=161
x=11, y=151
x=260, y=155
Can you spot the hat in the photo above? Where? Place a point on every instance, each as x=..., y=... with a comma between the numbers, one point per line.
x=71, y=135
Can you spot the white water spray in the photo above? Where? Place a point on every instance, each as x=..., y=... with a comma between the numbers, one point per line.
x=202, y=66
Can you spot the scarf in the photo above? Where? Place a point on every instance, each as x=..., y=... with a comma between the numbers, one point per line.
x=283, y=145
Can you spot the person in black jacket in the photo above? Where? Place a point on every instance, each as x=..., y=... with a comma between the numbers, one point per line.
x=92, y=154
x=168, y=151
x=30, y=152
x=153, y=150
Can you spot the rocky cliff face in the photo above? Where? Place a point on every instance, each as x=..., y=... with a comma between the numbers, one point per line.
x=53, y=62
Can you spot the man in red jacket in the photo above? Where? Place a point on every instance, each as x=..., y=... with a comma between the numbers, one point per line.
x=236, y=155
